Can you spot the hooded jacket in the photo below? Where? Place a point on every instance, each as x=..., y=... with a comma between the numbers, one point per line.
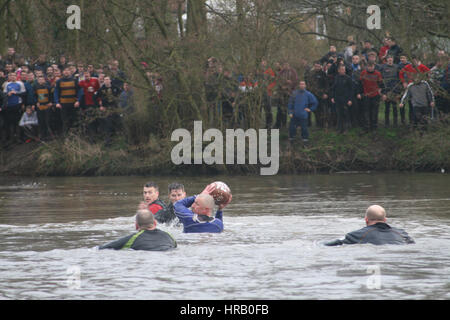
x=420, y=94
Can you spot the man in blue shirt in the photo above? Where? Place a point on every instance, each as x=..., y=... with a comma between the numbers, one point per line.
x=301, y=103
x=199, y=218
x=13, y=91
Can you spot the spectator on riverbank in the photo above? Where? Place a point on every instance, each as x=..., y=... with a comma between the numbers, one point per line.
x=391, y=91
x=301, y=104
x=286, y=81
x=13, y=91
x=148, y=237
x=372, y=84
x=67, y=97
x=341, y=97
x=44, y=103
x=108, y=101
x=421, y=99
x=376, y=232
x=29, y=125
x=317, y=82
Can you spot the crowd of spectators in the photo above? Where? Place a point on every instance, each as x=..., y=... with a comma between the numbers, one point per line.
x=43, y=99
x=350, y=86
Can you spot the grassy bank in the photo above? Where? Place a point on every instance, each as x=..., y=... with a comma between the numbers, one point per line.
x=399, y=149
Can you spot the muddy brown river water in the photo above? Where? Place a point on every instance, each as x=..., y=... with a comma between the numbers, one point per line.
x=272, y=246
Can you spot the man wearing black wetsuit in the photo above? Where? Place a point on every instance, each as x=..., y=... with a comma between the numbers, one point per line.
x=376, y=232
x=147, y=238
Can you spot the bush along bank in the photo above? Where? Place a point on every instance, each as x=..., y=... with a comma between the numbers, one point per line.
x=387, y=149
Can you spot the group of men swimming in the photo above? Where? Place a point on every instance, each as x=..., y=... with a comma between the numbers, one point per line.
x=195, y=214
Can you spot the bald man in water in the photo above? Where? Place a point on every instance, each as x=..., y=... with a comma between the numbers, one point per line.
x=195, y=213
x=377, y=231
x=147, y=238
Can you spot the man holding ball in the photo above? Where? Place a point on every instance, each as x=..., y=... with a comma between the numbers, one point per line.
x=196, y=212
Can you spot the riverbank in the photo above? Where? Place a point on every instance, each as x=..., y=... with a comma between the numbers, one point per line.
x=388, y=149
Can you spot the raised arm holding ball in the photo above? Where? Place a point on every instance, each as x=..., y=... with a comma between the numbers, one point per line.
x=196, y=212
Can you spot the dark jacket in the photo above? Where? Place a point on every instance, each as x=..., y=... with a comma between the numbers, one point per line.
x=342, y=89
x=30, y=100
x=166, y=215
x=149, y=240
x=317, y=82
x=395, y=52
x=109, y=96
x=391, y=79
x=160, y=210
x=379, y=233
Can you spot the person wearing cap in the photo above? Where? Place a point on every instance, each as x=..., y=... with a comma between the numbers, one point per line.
x=376, y=232
x=195, y=213
x=148, y=237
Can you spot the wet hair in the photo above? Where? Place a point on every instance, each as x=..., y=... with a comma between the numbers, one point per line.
x=144, y=218
x=151, y=184
x=175, y=186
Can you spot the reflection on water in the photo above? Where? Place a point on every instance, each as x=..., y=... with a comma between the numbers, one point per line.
x=271, y=247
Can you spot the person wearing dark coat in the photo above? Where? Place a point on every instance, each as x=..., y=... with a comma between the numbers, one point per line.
x=148, y=237
x=342, y=96
x=376, y=232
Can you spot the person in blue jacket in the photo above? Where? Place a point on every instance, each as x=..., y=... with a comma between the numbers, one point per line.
x=195, y=213
x=301, y=103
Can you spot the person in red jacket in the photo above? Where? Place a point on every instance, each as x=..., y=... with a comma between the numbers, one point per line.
x=384, y=50
x=372, y=82
x=407, y=73
x=90, y=86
